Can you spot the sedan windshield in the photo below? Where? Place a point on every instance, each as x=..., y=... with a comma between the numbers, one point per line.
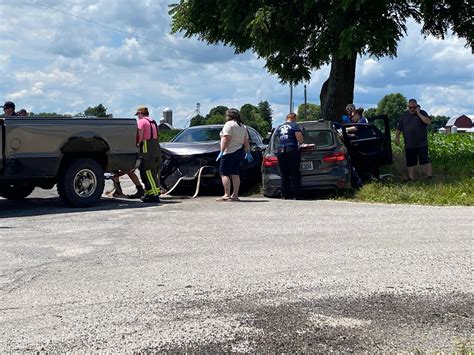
x=196, y=135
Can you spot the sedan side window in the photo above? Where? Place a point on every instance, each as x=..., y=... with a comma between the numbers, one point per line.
x=253, y=137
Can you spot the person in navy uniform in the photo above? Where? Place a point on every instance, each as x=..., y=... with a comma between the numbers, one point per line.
x=289, y=158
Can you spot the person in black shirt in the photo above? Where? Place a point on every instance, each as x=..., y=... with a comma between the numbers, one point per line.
x=22, y=113
x=9, y=108
x=414, y=126
x=289, y=159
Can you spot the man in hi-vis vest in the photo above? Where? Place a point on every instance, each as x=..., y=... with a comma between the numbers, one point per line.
x=150, y=152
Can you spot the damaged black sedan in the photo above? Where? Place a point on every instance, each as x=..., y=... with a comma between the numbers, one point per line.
x=189, y=160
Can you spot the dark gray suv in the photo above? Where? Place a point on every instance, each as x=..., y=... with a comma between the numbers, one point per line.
x=329, y=164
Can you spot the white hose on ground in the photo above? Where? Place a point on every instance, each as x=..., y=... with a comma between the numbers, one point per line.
x=174, y=186
x=198, y=173
x=199, y=180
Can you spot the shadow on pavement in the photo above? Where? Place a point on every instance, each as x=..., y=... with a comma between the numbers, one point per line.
x=245, y=200
x=52, y=205
x=377, y=323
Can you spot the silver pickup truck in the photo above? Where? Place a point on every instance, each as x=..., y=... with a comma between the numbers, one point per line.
x=72, y=153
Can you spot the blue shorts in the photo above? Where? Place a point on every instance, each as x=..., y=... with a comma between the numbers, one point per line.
x=230, y=163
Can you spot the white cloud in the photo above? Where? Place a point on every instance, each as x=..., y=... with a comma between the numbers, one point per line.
x=62, y=63
x=372, y=68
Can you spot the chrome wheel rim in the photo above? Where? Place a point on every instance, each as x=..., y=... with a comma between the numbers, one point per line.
x=85, y=183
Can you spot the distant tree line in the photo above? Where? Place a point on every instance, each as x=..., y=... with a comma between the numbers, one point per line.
x=393, y=105
x=96, y=111
x=258, y=117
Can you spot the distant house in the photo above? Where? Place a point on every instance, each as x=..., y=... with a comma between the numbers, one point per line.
x=165, y=126
x=463, y=124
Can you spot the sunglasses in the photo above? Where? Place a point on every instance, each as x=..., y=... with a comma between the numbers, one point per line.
x=412, y=107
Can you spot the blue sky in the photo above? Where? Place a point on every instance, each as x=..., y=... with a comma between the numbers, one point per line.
x=66, y=59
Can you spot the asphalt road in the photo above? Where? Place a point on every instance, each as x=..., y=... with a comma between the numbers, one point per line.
x=196, y=275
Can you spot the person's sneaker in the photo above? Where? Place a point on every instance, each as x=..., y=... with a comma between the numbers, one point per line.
x=150, y=199
x=119, y=194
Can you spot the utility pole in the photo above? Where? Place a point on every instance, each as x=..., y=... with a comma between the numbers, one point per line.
x=291, y=98
x=305, y=104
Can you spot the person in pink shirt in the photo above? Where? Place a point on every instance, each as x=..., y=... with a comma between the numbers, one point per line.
x=150, y=153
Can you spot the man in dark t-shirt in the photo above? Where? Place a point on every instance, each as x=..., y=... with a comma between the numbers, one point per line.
x=9, y=109
x=414, y=126
x=289, y=158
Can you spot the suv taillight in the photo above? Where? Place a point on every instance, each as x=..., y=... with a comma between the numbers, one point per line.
x=269, y=161
x=334, y=157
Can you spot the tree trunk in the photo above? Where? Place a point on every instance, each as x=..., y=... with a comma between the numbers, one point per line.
x=338, y=90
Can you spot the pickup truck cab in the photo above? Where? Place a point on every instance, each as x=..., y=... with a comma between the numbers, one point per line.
x=72, y=153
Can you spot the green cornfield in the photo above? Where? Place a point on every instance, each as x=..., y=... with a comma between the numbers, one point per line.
x=452, y=159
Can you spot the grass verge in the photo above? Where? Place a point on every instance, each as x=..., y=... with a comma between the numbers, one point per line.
x=427, y=192
x=452, y=158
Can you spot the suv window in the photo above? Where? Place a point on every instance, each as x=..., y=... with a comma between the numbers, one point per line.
x=320, y=138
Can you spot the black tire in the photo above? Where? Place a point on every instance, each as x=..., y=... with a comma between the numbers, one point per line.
x=16, y=191
x=81, y=183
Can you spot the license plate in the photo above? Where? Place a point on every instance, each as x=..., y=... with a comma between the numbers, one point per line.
x=306, y=165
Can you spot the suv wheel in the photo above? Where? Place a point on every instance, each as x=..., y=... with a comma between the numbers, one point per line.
x=81, y=183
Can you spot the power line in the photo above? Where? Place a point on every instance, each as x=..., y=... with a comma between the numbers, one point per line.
x=131, y=34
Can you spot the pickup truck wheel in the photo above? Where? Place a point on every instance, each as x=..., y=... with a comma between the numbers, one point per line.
x=16, y=191
x=81, y=183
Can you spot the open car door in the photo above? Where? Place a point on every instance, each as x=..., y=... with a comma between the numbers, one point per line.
x=369, y=145
x=1, y=144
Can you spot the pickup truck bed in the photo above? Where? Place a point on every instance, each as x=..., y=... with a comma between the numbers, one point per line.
x=73, y=153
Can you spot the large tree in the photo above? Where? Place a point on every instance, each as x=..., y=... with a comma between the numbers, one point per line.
x=392, y=105
x=313, y=112
x=266, y=112
x=97, y=111
x=296, y=37
x=252, y=116
x=197, y=120
x=218, y=110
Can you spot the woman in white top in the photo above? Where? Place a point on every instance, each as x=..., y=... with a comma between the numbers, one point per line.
x=234, y=137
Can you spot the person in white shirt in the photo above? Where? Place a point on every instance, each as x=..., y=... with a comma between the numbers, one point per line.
x=234, y=146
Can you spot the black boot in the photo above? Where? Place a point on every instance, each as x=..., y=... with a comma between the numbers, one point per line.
x=140, y=192
x=118, y=190
x=151, y=199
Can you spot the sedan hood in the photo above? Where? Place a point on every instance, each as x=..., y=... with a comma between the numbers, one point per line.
x=191, y=148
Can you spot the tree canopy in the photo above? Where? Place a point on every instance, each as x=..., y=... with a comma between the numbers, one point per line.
x=218, y=110
x=48, y=114
x=97, y=111
x=197, y=120
x=266, y=112
x=296, y=37
x=257, y=117
x=393, y=105
x=313, y=112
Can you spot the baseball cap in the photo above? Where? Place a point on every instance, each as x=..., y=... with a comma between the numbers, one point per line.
x=141, y=109
x=9, y=104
